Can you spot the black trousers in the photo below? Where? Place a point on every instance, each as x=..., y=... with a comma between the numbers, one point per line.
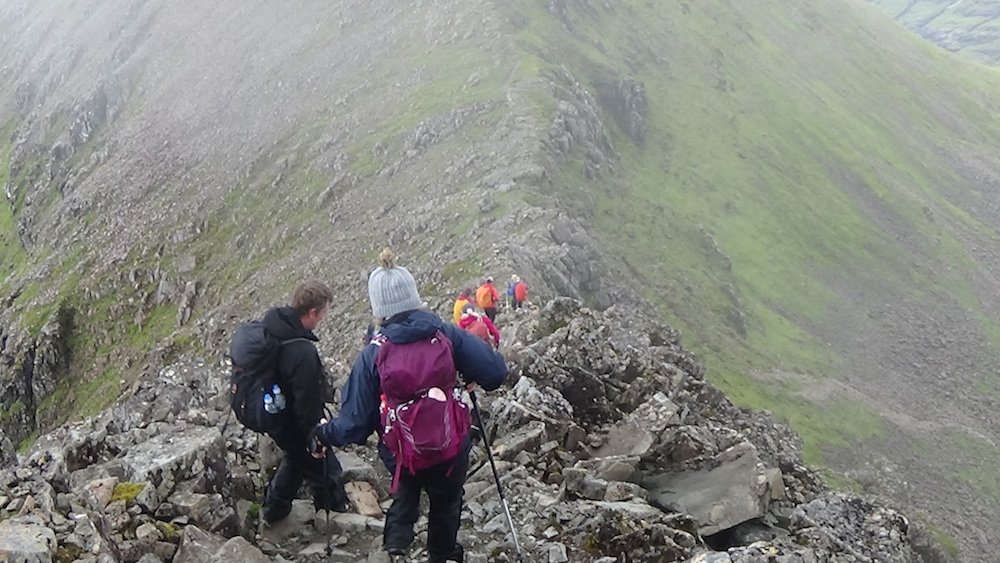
x=444, y=484
x=491, y=312
x=324, y=476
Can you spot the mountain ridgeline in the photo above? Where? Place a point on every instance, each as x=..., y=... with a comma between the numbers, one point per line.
x=970, y=27
x=807, y=191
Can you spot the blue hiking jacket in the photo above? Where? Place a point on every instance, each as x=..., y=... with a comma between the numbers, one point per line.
x=359, y=399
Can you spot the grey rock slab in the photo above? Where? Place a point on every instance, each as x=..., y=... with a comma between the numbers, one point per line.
x=617, y=468
x=357, y=469
x=26, y=540
x=207, y=511
x=633, y=509
x=638, y=433
x=617, y=491
x=713, y=557
x=148, y=532
x=557, y=553
x=351, y=523
x=195, y=452
x=148, y=498
x=526, y=438
x=198, y=546
x=730, y=490
x=239, y=549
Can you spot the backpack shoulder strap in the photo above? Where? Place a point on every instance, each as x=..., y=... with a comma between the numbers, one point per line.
x=290, y=340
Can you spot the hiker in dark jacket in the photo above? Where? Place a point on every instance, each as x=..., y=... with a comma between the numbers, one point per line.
x=301, y=377
x=395, y=305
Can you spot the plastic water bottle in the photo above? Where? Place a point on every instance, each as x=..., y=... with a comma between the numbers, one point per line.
x=269, y=405
x=279, y=399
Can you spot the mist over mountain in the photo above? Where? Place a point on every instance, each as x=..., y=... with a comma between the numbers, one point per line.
x=968, y=27
x=807, y=193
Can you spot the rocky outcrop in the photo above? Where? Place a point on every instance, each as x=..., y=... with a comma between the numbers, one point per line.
x=31, y=369
x=609, y=444
x=625, y=100
x=577, y=125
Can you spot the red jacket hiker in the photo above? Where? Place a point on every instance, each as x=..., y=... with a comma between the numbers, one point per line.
x=520, y=291
x=481, y=326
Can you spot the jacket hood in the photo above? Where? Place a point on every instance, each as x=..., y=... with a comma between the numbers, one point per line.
x=411, y=326
x=284, y=323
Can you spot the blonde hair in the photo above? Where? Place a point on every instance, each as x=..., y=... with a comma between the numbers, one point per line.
x=387, y=259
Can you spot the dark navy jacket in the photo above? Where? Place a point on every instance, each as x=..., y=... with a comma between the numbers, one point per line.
x=360, y=397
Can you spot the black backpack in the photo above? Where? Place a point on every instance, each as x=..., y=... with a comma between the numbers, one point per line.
x=254, y=355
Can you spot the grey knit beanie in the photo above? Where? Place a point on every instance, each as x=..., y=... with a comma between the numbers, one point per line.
x=391, y=288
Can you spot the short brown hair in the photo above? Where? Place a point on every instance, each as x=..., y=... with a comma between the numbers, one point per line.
x=311, y=295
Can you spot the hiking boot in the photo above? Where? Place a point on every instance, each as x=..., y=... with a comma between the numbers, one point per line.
x=456, y=556
x=272, y=514
x=397, y=554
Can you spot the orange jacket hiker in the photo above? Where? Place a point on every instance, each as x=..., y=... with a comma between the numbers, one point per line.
x=487, y=295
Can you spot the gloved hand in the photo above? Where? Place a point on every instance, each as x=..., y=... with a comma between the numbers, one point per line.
x=314, y=442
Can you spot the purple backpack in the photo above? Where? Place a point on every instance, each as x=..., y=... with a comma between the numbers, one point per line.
x=424, y=420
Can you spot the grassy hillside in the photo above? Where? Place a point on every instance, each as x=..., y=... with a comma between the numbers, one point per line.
x=971, y=27
x=800, y=207
x=777, y=169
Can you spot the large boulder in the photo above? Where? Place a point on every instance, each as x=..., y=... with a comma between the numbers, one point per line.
x=207, y=511
x=26, y=540
x=731, y=488
x=199, y=453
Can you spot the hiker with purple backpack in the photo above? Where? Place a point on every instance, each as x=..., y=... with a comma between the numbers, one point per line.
x=404, y=385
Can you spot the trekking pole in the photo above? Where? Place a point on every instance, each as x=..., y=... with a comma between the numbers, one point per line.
x=496, y=476
x=328, y=493
x=328, y=499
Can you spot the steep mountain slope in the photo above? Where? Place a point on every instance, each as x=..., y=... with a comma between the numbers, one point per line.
x=807, y=191
x=970, y=27
x=812, y=208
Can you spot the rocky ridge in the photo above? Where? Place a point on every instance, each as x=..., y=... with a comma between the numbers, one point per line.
x=610, y=443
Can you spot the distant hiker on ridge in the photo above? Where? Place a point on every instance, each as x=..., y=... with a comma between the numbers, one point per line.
x=464, y=298
x=487, y=297
x=518, y=291
x=480, y=325
x=384, y=393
